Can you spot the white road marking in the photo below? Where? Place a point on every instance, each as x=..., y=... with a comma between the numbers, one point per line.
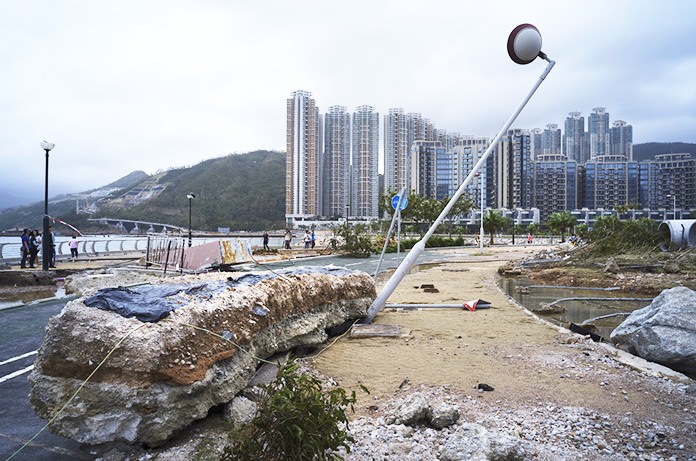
x=16, y=373
x=19, y=357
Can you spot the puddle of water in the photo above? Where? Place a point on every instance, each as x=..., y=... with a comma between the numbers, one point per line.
x=14, y=297
x=576, y=311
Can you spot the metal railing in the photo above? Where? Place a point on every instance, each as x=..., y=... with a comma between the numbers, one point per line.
x=86, y=247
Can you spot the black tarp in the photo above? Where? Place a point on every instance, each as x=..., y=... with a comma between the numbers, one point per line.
x=150, y=303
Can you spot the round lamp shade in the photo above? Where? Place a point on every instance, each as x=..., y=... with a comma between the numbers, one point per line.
x=524, y=44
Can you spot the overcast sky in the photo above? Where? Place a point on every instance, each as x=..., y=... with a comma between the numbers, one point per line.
x=153, y=84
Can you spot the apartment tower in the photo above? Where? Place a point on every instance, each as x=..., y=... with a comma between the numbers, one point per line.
x=303, y=138
x=365, y=180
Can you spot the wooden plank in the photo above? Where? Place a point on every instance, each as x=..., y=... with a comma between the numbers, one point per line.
x=374, y=330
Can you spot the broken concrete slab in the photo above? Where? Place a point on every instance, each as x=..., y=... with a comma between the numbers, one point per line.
x=158, y=377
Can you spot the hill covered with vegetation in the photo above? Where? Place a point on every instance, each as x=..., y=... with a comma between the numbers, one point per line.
x=242, y=192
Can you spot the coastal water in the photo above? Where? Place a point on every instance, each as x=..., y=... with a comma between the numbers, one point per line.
x=575, y=308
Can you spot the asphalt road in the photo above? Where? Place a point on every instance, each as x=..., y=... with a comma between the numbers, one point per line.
x=21, y=335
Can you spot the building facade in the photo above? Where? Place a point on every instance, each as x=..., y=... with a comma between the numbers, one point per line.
x=303, y=140
x=336, y=164
x=622, y=139
x=513, y=170
x=598, y=132
x=555, y=184
x=574, y=138
x=397, y=168
x=609, y=181
x=365, y=165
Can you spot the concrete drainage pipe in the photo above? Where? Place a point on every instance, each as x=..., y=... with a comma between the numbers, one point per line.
x=677, y=234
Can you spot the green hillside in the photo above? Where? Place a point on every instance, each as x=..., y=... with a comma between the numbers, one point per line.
x=242, y=192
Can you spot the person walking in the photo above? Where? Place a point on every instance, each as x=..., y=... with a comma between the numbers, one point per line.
x=25, y=248
x=265, y=241
x=73, y=247
x=313, y=239
x=287, y=239
x=51, y=238
x=307, y=239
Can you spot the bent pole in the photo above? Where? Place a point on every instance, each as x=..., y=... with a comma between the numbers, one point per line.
x=412, y=256
x=391, y=228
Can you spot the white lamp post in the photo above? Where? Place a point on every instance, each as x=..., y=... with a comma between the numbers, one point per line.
x=524, y=46
x=674, y=204
x=45, y=244
x=190, y=196
x=478, y=174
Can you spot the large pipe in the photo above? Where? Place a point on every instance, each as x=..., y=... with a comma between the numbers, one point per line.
x=677, y=234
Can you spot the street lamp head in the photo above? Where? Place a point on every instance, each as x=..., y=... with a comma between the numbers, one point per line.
x=47, y=145
x=190, y=195
x=524, y=44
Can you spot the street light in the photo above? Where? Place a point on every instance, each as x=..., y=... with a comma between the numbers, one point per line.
x=523, y=46
x=190, y=196
x=478, y=174
x=347, y=213
x=45, y=244
x=674, y=203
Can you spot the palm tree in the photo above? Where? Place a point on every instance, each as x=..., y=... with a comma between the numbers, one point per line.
x=560, y=222
x=494, y=221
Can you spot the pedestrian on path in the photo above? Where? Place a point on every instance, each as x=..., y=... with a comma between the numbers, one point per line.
x=287, y=239
x=265, y=241
x=73, y=247
x=34, y=243
x=25, y=248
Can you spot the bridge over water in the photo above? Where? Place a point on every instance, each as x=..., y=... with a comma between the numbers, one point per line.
x=136, y=227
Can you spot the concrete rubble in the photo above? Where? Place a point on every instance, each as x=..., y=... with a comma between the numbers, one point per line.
x=159, y=377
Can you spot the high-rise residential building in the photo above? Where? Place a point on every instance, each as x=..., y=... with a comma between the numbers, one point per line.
x=598, y=132
x=622, y=139
x=609, y=181
x=465, y=155
x=336, y=163
x=537, y=144
x=551, y=140
x=397, y=168
x=513, y=170
x=555, y=184
x=431, y=169
x=365, y=180
x=574, y=138
x=303, y=141
x=668, y=182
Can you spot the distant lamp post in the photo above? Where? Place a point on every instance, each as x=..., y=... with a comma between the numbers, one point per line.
x=190, y=197
x=674, y=204
x=45, y=244
x=478, y=175
x=347, y=213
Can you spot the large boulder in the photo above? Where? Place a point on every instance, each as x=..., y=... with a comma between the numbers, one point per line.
x=160, y=375
x=663, y=332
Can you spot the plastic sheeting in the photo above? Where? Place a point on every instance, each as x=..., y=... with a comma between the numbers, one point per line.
x=150, y=303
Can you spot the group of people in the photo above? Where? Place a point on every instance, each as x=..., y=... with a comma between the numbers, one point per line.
x=309, y=239
x=32, y=242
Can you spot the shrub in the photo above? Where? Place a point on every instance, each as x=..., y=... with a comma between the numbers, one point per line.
x=296, y=420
